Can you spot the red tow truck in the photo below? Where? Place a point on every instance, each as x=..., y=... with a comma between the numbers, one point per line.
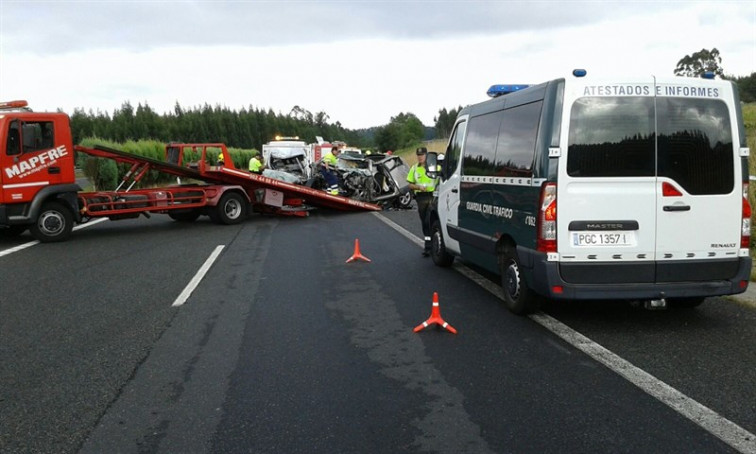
x=39, y=190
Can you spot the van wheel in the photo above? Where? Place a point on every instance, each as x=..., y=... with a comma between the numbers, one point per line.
x=438, y=249
x=685, y=303
x=231, y=209
x=517, y=296
x=54, y=223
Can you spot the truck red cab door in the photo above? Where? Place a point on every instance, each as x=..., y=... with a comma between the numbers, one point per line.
x=36, y=154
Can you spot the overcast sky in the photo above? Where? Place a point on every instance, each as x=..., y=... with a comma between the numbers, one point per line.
x=361, y=62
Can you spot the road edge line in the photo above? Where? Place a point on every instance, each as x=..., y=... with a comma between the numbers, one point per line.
x=734, y=435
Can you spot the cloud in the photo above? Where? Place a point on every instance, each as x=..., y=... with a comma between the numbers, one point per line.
x=360, y=62
x=47, y=27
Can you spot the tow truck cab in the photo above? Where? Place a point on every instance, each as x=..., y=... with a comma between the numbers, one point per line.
x=38, y=179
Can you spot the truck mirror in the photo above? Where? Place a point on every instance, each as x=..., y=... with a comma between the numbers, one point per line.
x=13, y=145
x=32, y=136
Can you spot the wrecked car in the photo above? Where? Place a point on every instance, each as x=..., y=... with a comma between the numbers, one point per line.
x=375, y=178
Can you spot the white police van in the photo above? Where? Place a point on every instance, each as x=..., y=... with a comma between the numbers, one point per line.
x=634, y=188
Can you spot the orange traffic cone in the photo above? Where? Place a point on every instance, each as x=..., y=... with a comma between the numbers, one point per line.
x=435, y=318
x=357, y=254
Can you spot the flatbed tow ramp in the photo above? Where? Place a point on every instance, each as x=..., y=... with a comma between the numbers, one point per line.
x=264, y=194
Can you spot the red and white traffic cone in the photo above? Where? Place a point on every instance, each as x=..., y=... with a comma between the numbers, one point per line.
x=435, y=318
x=357, y=254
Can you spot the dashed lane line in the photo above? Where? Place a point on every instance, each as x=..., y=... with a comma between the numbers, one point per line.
x=184, y=295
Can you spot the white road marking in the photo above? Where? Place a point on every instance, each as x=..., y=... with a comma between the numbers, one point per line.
x=719, y=426
x=197, y=277
x=90, y=223
x=21, y=247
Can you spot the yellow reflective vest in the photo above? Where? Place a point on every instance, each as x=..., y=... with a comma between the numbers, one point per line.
x=417, y=175
x=255, y=165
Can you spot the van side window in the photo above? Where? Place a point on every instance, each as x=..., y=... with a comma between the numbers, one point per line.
x=480, y=145
x=455, y=148
x=517, y=138
x=612, y=137
x=695, y=144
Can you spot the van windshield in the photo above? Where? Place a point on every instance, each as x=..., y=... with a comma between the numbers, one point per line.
x=691, y=141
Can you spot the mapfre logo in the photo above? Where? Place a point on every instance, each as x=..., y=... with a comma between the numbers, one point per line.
x=36, y=163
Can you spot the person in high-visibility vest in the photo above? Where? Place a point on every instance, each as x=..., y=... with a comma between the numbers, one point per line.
x=327, y=169
x=423, y=186
x=255, y=164
x=220, y=159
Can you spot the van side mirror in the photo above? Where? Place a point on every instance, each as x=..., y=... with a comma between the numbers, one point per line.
x=431, y=164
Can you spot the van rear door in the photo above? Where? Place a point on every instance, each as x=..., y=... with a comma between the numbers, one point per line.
x=606, y=193
x=648, y=189
x=699, y=194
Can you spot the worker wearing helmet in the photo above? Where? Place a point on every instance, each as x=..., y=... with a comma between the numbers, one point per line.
x=423, y=187
x=221, y=159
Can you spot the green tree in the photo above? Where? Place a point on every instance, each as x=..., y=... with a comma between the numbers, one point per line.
x=123, y=123
x=746, y=86
x=402, y=131
x=412, y=129
x=387, y=137
x=444, y=122
x=696, y=64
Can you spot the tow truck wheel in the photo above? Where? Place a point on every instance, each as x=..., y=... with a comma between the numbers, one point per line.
x=54, y=223
x=232, y=208
x=518, y=298
x=184, y=216
x=438, y=250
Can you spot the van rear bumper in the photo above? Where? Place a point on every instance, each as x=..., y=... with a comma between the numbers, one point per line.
x=546, y=280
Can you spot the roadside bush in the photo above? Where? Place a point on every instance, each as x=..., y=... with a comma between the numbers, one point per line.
x=107, y=174
x=151, y=149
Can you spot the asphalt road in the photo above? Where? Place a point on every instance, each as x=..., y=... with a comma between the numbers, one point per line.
x=284, y=347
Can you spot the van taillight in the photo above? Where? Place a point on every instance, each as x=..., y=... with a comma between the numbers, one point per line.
x=745, y=223
x=546, y=225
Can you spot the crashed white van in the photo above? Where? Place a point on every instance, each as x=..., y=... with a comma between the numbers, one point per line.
x=579, y=188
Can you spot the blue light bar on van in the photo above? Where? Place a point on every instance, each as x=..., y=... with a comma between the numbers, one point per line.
x=708, y=75
x=579, y=72
x=499, y=90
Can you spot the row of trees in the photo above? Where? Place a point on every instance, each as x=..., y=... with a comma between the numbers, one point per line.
x=247, y=129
